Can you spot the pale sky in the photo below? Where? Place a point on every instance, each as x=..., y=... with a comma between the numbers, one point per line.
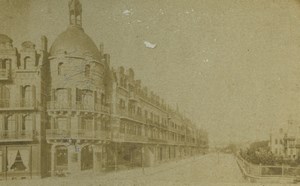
x=232, y=65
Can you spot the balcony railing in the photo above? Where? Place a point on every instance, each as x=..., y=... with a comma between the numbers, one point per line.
x=133, y=96
x=4, y=74
x=58, y=134
x=129, y=115
x=156, y=140
x=137, y=117
x=17, y=135
x=6, y=104
x=101, y=108
x=58, y=105
x=100, y=134
x=83, y=134
x=55, y=105
x=135, y=138
x=27, y=103
x=77, y=134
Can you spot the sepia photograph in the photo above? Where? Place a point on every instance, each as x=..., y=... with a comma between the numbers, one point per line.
x=149, y=92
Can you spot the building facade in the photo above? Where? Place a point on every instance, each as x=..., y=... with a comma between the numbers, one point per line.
x=285, y=141
x=65, y=110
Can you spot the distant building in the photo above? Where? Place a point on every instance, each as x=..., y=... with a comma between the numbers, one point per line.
x=65, y=110
x=285, y=141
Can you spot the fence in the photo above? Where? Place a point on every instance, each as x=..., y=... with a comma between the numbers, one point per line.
x=267, y=170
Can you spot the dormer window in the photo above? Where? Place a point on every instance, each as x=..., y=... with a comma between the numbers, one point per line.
x=27, y=61
x=60, y=69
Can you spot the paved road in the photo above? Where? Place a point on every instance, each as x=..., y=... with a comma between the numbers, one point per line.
x=202, y=170
x=211, y=168
x=207, y=169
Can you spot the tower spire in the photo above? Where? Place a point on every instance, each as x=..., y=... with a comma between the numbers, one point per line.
x=75, y=12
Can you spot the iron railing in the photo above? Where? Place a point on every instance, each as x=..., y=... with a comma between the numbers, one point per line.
x=268, y=170
x=77, y=134
x=56, y=105
x=23, y=103
x=17, y=135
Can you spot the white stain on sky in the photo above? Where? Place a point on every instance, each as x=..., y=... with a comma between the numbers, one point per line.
x=127, y=12
x=149, y=45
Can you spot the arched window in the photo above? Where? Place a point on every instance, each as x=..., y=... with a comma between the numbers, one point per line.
x=61, y=156
x=4, y=96
x=27, y=96
x=60, y=69
x=86, y=124
x=27, y=61
x=87, y=70
x=87, y=99
x=62, y=123
x=62, y=98
x=27, y=123
x=2, y=64
x=10, y=123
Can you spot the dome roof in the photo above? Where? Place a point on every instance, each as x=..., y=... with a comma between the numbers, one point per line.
x=5, y=39
x=75, y=42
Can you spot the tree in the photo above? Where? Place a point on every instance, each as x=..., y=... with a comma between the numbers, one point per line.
x=259, y=153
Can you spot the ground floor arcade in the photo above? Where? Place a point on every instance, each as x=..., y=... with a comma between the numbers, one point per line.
x=107, y=156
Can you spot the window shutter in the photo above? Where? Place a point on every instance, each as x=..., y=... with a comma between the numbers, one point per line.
x=33, y=95
x=78, y=94
x=21, y=95
x=52, y=123
x=16, y=127
x=53, y=95
x=95, y=97
x=33, y=117
x=69, y=96
x=7, y=93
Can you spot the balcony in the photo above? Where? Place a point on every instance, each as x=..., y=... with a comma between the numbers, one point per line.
x=136, y=117
x=133, y=97
x=83, y=134
x=156, y=140
x=6, y=105
x=55, y=105
x=79, y=106
x=5, y=74
x=58, y=134
x=135, y=138
x=102, y=135
x=123, y=113
x=102, y=108
x=12, y=136
x=121, y=137
x=62, y=134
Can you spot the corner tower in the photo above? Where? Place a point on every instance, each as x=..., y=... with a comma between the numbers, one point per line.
x=77, y=107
